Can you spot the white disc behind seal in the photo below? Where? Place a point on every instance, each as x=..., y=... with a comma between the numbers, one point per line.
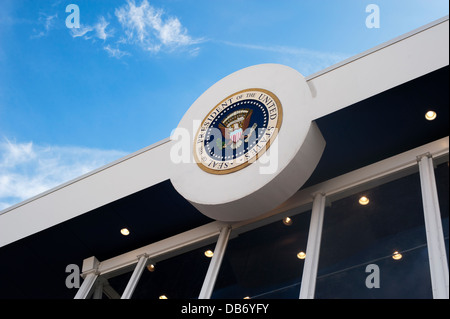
x=251, y=142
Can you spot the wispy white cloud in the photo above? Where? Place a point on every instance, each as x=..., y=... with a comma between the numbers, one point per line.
x=27, y=169
x=46, y=22
x=81, y=31
x=100, y=29
x=144, y=25
x=97, y=30
x=140, y=25
x=305, y=60
x=115, y=52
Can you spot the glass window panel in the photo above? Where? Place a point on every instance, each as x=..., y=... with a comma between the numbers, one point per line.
x=179, y=277
x=355, y=236
x=441, y=174
x=262, y=263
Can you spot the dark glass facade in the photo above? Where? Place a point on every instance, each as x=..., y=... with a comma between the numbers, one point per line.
x=355, y=236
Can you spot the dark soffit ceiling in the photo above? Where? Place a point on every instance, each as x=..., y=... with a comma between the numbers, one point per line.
x=366, y=132
x=383, y=125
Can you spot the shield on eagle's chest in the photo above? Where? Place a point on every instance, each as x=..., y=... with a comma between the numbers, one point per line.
x=236, y=135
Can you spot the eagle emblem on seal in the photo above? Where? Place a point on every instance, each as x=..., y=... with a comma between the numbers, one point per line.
x=234, y=128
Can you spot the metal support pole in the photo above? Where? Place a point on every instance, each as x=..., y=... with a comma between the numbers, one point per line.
x=132, y=283
x=313, y=248
x=90, y=274
x=86, y=286
x=433, y=226
x=98, y=290
x=216, y=261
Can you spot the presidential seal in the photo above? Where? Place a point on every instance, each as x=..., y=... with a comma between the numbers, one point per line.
x=237, y=131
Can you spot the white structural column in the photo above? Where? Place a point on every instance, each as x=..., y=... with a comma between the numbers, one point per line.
x=98, y=290
x=86, y=286
x=90, y=274
x=313, y=248
x=433, y=225
x=216, y=261
x=132, y=283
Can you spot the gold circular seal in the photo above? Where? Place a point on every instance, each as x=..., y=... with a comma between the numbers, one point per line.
x=237, y=131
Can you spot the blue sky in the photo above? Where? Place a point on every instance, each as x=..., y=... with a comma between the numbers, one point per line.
x=72, y=100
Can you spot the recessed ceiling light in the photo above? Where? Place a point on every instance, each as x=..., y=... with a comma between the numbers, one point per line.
x=301, y=255
x=397, y=256
x=209, y=253
x=364, y=200
x=287, y=221
x=163, y=297
x=151, y=267
x=430, y=115
x=125, y=231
